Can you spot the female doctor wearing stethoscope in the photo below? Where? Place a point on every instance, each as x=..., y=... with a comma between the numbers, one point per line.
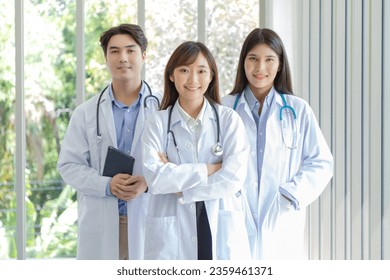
x=193, y=152
x=290, y=163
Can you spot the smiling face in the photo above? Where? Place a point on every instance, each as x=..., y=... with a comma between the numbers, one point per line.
x=261, y=67
x=124, y=58
x=192, y=81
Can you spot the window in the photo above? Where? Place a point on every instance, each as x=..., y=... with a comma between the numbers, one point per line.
x=7, y=131
x=50, y=90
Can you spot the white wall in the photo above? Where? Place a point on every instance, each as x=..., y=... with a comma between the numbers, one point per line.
x=340, y=64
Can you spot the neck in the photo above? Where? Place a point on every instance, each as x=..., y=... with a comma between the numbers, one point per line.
x=191, y=107
x=126, y=92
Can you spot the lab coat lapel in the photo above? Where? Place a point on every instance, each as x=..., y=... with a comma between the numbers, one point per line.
x=178, y=119
x=139, y=125
x=274, y=153
x=243, y=106
x=209, y=133
x=107, y=117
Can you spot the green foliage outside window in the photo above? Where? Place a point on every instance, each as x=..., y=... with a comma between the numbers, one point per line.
x=50, y=85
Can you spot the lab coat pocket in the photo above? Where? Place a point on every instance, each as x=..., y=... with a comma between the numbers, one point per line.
x=277, y=218
x=161, y=238
x=289, y=151
x=250, y=223
x=90, y=214
x=96, y=151
x=232, y=238
x=282, y=231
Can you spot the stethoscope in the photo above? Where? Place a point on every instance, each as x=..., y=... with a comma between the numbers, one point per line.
x=284, y=122
x=216, y=149
x=153, y=97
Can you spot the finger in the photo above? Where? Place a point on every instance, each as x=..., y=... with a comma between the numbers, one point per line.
x=133, y=180
x=163, y=157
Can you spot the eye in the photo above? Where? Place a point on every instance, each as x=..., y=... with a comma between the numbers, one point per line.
x=252, y=58
x=183, y=70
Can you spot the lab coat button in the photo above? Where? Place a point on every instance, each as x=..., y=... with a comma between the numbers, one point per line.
x=193, y=239
x=189, y=146
x=192, y=206
x=254, y=184
x=253, y=153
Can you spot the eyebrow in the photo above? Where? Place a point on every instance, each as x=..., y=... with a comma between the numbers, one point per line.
x=126, y=47
x=199, y=66
x=252, y=54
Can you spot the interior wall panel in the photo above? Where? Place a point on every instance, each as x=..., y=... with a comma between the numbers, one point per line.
x=344, y=61
x=385, y=244
x=325, y=120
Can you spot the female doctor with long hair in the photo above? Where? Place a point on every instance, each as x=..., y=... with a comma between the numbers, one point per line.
x=290, y=162
x=196, y=209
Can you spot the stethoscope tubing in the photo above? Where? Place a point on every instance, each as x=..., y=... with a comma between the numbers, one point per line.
x=99, y=135
x=284, y=107
x=216, y=149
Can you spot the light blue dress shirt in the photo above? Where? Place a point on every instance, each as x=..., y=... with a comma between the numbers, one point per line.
x=125, y=119
x=261, y=123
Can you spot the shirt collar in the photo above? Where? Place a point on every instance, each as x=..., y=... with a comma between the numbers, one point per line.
x=120, y=104
x=190, y=121
x=252, y=100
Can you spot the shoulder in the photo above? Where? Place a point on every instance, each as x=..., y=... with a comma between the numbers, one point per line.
x=149, y=90
x=157, y=93
x=157, y=117
x=226, y=113
x=296, y=102
x=87, y=106
x=230, y=99
x=301, y=107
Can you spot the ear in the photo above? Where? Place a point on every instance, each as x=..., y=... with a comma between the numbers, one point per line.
x=172, y=78
x=143, y=56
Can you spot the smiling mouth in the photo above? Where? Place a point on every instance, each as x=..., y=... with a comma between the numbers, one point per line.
x=124, y=67
x=192, y=88
x=259, y=77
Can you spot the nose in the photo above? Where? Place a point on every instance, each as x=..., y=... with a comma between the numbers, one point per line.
x=193, y=77
x=260, y=66
x=123, y=57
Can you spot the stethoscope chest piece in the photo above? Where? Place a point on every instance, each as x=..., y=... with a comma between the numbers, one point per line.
x=217, y=149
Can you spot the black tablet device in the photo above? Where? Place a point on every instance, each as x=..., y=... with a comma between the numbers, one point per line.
x=117, y=162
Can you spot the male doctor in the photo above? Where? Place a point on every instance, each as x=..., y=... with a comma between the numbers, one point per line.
x=111, y=211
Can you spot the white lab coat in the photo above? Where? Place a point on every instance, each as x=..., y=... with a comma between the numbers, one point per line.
x=303, y=172
x=81, y=163
x=171, y=221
